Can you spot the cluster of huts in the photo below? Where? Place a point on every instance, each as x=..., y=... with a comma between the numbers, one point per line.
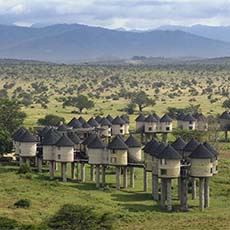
x=155, y=124
x=184, y=161
x=104, y=142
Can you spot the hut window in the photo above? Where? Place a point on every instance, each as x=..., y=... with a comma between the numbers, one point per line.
x=163, y=162
x=121, y=131
x=190, y=127
x=163, y=171
x=190, y=122
x=113, y=151
x=211, y=170
x=121, y=126
x=113, y=160
x=59, y=156
x=167, y=128
x=150, y=128
x=216, y=167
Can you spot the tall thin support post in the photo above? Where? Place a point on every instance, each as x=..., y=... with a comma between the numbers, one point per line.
x=97, y=176
x=155, y=187
x=103, y=175
x=64, y=169
x=92, y=173
x=118, y=177
x=73, y=170
x=39, y=162
x=125, y=177
x=169, y=195
x=83, y=172
x=163, y=192
x=193, y=188
x=132, y=179
x=201, y=193
x=145, y=180
x=206, y=192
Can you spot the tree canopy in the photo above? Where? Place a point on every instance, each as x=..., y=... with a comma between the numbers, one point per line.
x=50, y=120
x=81, y=102
x=11, y=117
x=142, y=100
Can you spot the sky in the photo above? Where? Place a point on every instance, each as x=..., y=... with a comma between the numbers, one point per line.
x=128, y=14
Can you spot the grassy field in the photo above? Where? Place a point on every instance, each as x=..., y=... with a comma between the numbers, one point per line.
x=173, y=86
x=135, y=209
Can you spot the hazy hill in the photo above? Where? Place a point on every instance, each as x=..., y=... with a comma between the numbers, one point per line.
x=72, y=43
x=221, y=33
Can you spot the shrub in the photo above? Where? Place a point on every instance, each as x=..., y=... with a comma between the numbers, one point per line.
x=74, y=217
x=23, y=203
x=24, y=168
x=7, y=224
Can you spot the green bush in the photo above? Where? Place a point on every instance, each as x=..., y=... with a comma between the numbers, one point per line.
x=24, y=168
x=23, y=203
x=76, y=217
x=7, y=224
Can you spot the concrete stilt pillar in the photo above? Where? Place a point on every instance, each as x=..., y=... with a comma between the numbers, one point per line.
x=39, y=162
x=155, y=187
x=103, y=175
x=132, y=183
x=201, y=193
x=169, y=194
x=56, y=166
x=28, y=161
x=226, y=135
x=63, y=169
x=118, y=177
x=184, y=194
x=206, y=192
x=97, y=176
x=36, y=162
x=20, y=161
x=179, y=187
x=162, y=193
x=83, y=172
x=193, y=188
x=51, y=169
x=73, y=171
x=145, y=180
x=77, y=171
x=92, y=173
x=125, y=177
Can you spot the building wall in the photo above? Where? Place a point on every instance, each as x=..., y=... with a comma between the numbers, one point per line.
x=171, y=168
x=201, y=168
x=155, y=166
x=215, y=167
x=118, y=129
x=48, y=153
x=17, y=147
x=98, y=156
x=135, y=153
x=140, y=125
x=28, y=149
x=187, y=126
x=224, y=123
x=165, y=125
x=64, y=154
x=150, y=127
x=201, y=126
x=107, y=132
x=148, y=162
x=118, y=157
x=126, y=128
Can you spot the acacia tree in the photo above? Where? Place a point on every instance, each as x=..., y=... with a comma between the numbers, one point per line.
x=51, y=120
x=11, y=117
x=81, y=102
x=142, y=100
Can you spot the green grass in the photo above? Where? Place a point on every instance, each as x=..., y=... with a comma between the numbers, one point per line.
x=135, y=209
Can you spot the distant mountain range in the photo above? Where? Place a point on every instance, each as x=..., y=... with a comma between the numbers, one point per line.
x=75, y=43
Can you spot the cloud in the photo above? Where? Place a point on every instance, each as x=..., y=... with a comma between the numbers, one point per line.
x=131, y=14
